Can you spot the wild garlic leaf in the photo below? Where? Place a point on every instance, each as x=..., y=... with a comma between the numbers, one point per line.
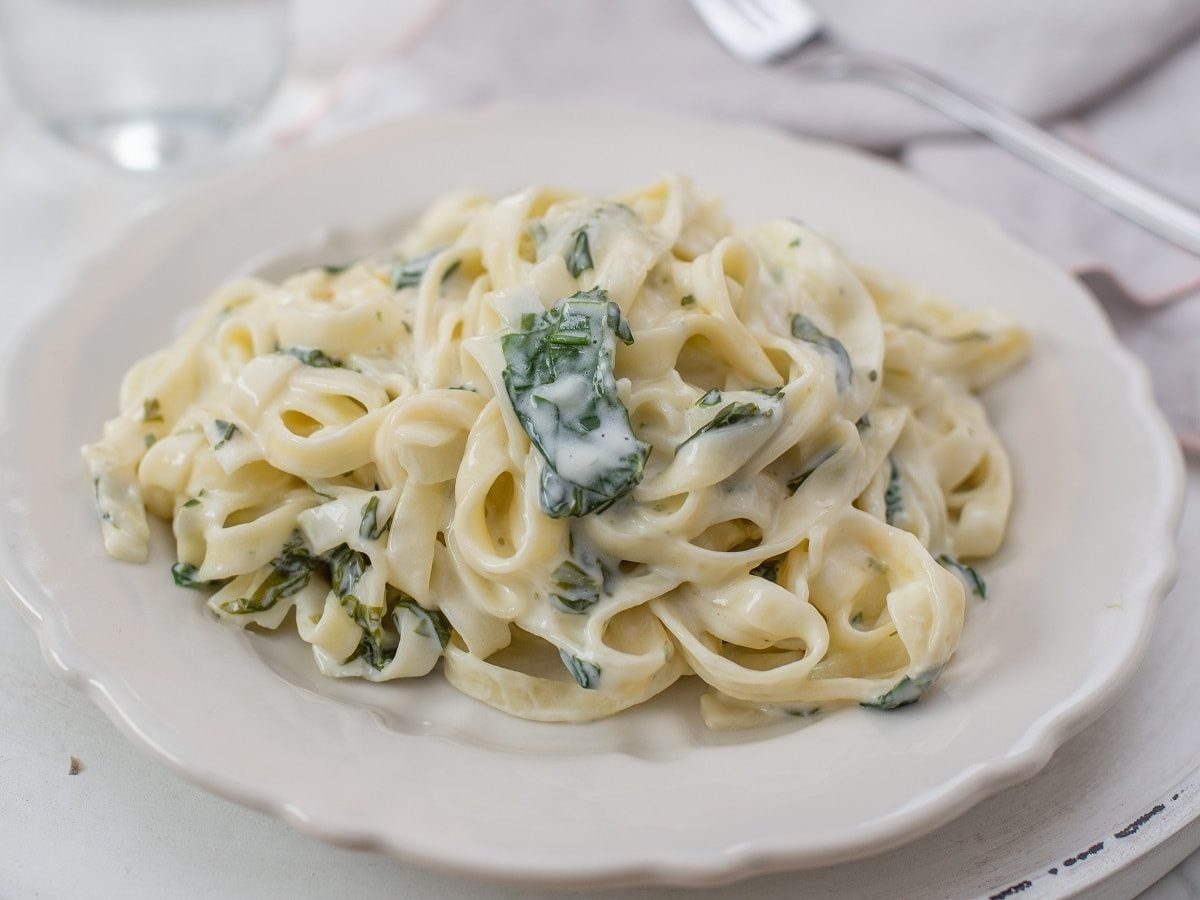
x=311, y=356
x=559, y=378
x=151, y=410
x=290, y=572
x=893, y=497
x=711, y=398
x=804, y=329
x=972, y=578
x=586, y=674
x=579, y=257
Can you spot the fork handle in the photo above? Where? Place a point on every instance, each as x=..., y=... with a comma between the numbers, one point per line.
x=1119, y=192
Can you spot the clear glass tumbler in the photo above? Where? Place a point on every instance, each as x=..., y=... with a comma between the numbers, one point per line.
x=144, y=83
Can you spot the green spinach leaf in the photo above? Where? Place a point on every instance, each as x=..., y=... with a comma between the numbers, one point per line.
x=433, y=621
x=804, y=329
x=573, y=588
x=369, y=529
x=586, y=674
x=729, y=416
x=310, y=356
x=408, y=273
x=973, y=579
x=559, y=379
x=290, y=572
x=579, y=257
x=893, y=496
x=184, y=575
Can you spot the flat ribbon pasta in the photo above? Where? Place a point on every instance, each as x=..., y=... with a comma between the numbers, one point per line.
x=575, y=449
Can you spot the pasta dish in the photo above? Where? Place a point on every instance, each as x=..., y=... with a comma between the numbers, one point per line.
x=577, y=449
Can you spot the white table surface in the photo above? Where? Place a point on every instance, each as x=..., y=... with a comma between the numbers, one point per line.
x=125, y=827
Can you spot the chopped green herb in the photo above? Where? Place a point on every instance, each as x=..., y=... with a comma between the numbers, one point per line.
x=434, y=622
x=574, y=589
x=346, y=567
x=893, y=497
x=804, y=329
x=579, y=258
x=687, y=300
x=222, y=433
x=310, y=356
x=768, y=391
x=972, y=578
x=450, y=270
x=290, y=572
x=559, y=379
x=795, y=483
x=794, y=242
x=151, y=410
x=711, y=398
x=369, y=529
x=729, y=416
x=907, y=690
x=873, y=375
x=768, y=569
x=802, y=712
x=586, y=674
x=370, y=620
x=194, y=501
x=410, y=272
x=184, y=575
x=150, y=440
x=335, y=269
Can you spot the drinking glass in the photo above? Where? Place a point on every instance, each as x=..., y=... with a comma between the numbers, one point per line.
x=144, y=83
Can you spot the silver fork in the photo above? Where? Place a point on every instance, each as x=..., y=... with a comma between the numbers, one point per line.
x=770, y=31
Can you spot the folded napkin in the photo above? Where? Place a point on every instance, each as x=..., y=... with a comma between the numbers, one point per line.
x=1115, y=76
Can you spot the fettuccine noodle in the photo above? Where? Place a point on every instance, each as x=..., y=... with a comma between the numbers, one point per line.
x=576, y=449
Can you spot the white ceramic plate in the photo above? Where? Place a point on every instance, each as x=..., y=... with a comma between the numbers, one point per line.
x=649, y=796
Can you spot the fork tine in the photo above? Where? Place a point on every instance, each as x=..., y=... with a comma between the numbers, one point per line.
x=760, y=30
x=756, y=10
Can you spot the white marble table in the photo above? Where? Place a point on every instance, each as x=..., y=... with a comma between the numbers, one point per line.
x=124, y=827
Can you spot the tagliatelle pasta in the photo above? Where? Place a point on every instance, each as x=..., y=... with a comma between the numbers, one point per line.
x=577, y=449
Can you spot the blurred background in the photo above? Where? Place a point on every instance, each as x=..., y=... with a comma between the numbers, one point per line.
x=108, y=106
x=224, y=82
